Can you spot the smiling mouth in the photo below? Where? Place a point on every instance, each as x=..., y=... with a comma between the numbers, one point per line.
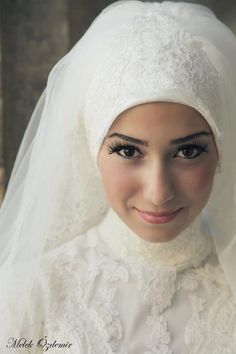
x=158, y=218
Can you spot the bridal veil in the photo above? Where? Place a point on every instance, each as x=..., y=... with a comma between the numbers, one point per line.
x=133, y=52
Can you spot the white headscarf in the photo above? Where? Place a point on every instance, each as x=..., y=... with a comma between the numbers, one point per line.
x=134, y=52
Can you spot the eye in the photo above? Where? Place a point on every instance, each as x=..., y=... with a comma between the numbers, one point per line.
x=128, y=152
x=125, y=151
x=191, y=151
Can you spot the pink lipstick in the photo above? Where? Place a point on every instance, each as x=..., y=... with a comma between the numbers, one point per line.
x=158, y=218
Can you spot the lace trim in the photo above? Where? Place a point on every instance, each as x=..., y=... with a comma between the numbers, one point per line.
x=159, y=339
x=157, y=289
x=213, y=321
x=101, y=317
x=152, y=58
x=190, y=248
x=94, y=318
x=90, y=326
x=83, y=203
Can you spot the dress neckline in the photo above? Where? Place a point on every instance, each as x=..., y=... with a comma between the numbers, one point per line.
x=189, y=249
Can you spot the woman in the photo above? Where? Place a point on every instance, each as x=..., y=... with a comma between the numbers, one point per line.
x=130, y=148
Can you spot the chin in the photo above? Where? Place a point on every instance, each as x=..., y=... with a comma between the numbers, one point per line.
x=159, y=232
x=157, y=236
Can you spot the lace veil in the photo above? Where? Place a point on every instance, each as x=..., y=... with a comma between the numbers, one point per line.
x=133, y=52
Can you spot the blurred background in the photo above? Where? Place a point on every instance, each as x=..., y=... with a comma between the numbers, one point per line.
x=34, y=34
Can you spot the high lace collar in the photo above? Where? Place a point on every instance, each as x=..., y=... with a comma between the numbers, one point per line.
x=188, y=249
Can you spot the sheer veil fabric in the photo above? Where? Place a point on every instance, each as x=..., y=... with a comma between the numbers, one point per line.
x=133, y=52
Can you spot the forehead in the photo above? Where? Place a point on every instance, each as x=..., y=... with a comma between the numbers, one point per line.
x=160, y=118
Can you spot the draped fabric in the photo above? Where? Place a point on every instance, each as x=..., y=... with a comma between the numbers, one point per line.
x=108, y=291
x=134, y=52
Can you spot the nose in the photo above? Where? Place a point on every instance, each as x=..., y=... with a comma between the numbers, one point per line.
x=158, y=184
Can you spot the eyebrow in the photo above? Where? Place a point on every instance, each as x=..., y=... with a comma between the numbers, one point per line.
x=172, y=142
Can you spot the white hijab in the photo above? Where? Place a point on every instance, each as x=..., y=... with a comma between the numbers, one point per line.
x=134, y=52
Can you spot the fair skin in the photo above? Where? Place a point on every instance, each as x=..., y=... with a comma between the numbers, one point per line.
x=156, y=184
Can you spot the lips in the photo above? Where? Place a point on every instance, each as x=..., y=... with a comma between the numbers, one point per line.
x=161, y=217
x=162, y=213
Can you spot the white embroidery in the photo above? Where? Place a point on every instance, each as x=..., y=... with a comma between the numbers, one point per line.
x=159, y=338
x=186, y=249
x=83, y=203
x=148, y=60
x=93, y=320
x=213, y=321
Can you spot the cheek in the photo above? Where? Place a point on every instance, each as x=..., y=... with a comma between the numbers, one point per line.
x=119, y=183
x=197, y=183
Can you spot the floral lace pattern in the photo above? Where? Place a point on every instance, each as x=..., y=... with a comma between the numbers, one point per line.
x=212, y=326
x=83, y=203
x=186, y=249
x=91, y=288
x=102, y=318
x=159, y=338
x=149, y=61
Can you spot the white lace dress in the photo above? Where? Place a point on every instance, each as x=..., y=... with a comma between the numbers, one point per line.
x=108, y=291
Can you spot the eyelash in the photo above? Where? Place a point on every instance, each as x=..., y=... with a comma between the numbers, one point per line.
x=200, y=147
x=116, y=147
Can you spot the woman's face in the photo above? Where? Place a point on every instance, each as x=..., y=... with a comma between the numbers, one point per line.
x=157, y=163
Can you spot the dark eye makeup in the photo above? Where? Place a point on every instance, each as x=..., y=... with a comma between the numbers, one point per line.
x=191, y=151
x=125, y=150
x=185, y=151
